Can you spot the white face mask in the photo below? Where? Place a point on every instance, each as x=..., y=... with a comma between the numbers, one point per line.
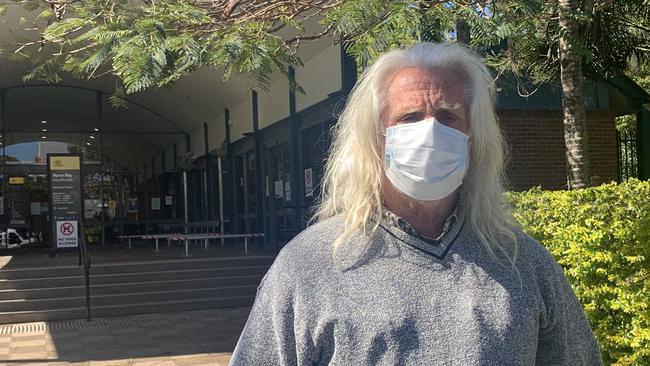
x=425, y=160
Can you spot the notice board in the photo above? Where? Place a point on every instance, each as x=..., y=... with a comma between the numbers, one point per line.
x=66, y=201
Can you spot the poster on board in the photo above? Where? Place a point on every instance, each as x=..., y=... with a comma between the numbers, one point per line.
x=133, y=205
x=287, y=191
x=279, y=189
x=309, y=182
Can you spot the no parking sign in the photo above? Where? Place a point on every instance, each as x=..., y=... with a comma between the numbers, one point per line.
x=67, y=235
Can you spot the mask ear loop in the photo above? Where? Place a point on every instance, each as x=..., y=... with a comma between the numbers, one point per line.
x=381, y=143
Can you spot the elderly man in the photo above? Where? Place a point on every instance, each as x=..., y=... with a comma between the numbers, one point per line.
x=414, y=259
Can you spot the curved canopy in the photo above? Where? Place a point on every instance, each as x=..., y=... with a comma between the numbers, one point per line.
x=152, y=120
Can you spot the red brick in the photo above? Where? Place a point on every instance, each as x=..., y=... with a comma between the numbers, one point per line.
x=536, y=147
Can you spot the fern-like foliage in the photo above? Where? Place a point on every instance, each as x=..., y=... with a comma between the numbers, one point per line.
x=154, y=43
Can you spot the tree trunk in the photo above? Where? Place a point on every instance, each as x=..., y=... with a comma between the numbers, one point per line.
x=573, y=101
x=462, y=31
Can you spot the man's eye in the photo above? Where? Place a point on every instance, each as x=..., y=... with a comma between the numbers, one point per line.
x=411, y=117
x=446, y=118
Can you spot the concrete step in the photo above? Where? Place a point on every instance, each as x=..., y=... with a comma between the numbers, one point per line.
x=127, y=309
x=129, y=287
x=125, y=298
x=36, y=283
x=130, y=267
x=177, y=285
x=128, y=277
x=175, y=295
x=36, y=273
x=194, y=304
x=8, y=317
x=172, y=265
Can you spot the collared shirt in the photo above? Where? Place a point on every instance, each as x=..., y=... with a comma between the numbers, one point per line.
x=409, y=229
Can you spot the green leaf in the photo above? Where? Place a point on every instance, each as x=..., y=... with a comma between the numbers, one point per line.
x=45, y=14
x=56, y=31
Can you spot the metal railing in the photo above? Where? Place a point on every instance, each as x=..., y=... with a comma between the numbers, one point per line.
x=626, y=151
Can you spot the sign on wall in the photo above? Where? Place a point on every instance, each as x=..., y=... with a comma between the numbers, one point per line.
x=279, y=189
x=64, y=173
x=16, y=180
x=309, y=182
x=133, y=205
x=19, y=204
x=287, y=191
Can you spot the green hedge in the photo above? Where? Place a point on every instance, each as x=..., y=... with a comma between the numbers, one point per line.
x=601, y=237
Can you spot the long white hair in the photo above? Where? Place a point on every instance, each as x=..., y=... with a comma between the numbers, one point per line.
x=352, y=183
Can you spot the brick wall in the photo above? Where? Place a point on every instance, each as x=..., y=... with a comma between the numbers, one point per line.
x=602, y=144
x=537, y=155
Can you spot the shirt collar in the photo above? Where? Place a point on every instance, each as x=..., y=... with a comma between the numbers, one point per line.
x=409, y=229
x=400, y=229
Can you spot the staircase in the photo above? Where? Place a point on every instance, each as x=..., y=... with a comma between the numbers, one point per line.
x=28, y=295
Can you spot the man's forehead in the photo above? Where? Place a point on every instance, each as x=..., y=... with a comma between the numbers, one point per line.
x=416, y=101
x=415, y=83
x=423, y=78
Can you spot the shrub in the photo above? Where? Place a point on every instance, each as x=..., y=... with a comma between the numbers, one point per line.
x=601, y=237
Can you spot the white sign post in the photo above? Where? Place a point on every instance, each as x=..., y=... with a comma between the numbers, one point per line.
x=66, y=234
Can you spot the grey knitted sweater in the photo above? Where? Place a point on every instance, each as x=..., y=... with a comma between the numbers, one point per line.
x=394, y=299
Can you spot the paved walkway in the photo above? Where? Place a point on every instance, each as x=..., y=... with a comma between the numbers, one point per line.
x=205, y=337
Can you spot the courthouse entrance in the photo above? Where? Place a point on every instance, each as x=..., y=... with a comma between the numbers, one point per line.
x=120, y=195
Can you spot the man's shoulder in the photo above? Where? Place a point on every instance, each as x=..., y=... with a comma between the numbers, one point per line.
x=318, y=236
x=534, y=253
x=312, y=246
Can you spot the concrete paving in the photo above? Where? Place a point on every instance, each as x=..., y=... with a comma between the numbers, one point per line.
x=205, y=337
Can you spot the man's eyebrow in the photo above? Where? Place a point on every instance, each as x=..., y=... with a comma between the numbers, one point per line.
x=414, y=109
x=449, y=106
x=441, y=104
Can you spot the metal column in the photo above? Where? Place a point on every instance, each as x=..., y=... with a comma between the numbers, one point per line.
x=259, y=184
x=233, y=176
x=221, y=217
x=294, y=146
x=209, y=179
x=100, y=117
x=185, y=208
x=3, y=122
